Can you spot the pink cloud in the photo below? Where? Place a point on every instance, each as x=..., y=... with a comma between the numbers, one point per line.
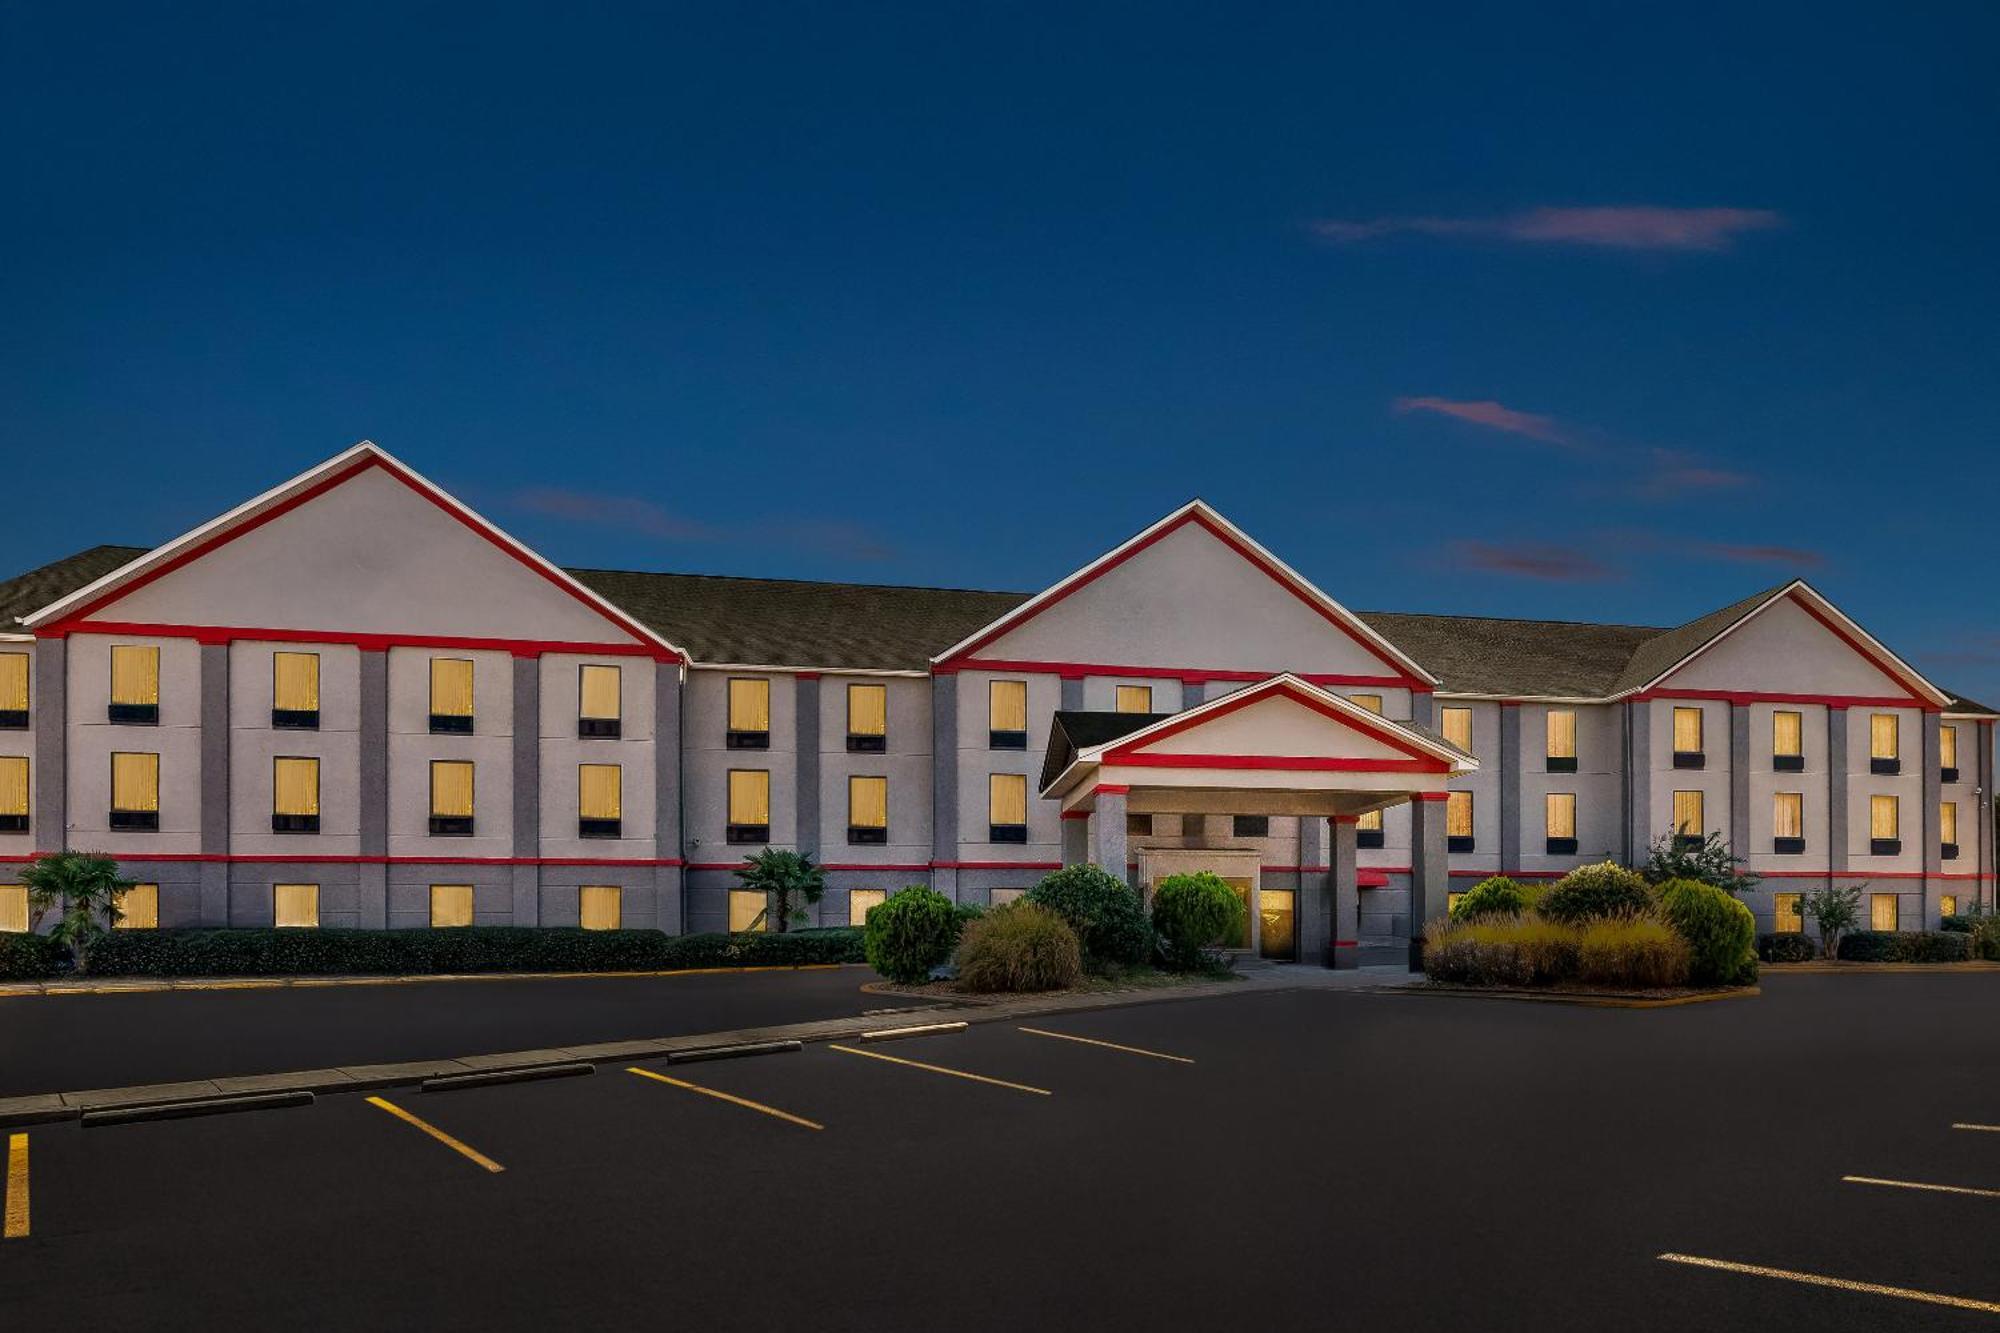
x=1494, y=416
x=1794, y=557
x=1675, y=473
x=626, y=512
x=1531, y=560
x=1626, y=227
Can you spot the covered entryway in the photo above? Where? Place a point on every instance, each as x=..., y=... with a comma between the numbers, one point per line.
x=1279, y=747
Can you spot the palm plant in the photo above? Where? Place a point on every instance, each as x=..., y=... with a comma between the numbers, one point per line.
x=782, y=876
x=83, y=888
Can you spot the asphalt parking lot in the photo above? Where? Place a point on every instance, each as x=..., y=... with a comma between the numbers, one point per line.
x=1307, y=1159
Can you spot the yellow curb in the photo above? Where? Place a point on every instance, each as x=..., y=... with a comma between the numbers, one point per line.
x=1824, y=968
x=126, y=987
x=1586, y=1001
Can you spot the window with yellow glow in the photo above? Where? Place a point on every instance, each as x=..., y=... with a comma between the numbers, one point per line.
x=451, y=687
x=295, y=906
x=13, y=908
x=600, y=791
x=1687, y=731
x=1370, y=821
x=749, y=796
x=598, y=693
x=13, y=682
x=1882, y=911
x=295, y=682
x=1788, y=818
x=1007, y=798
x=1559, y=814
x=451, y=789
x=867, y=710
x=135, y=674
x=1787, y=733
x=139, y=908
x=598, y=906
x=859, y=901
x=295, y=787
x=1884, y=814
x=135, y=783
x=1561, y=737
x=14, y=790
x=1458, y=814
x=1134, y=699
x=451, y=905
x=749, y=704
x=867, y=802
x=1689, y=820
x=747, y=910
x=1007, y=705
x=1371, y=702
x=1785, y=908
x=1455, y=724
x=1948, y=822
x=1882, y=735
x=1947, y=904
x=1451, y=902
x=1947, y=747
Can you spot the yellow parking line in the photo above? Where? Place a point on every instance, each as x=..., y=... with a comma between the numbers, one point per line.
x=1983, y=1129
x=16, y=1225
x=726, y=1097
x=1107, y=1045
x=940, y=1069
x=1837, y=1283
x=1919, y=1185
x=438, y=1134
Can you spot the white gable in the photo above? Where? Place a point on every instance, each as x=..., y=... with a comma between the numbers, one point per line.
x=1277, y=725
x=1188, y=601
x=1784, y=648
x=371, y=555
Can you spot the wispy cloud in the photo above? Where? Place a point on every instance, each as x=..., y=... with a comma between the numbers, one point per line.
x=1531, y=560
x=1621, y=227
x=629, y=513
x=1672, y=473
x=1492, y=415
x=1792, y=557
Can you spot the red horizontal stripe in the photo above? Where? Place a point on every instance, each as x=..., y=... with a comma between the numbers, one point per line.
x=1771, y=697
x=216, y=634
x=1185, y=675
x=1277, y=763
x=223, y=858
x=913, y=867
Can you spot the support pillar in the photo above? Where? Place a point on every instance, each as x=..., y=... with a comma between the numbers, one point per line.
x=372, y=875
x=1430, y=869
x=806, y=786
x=944, y=785
x=1836, y=791
x=1982, y=812
x=214, y=817
x=1107, y=833
x=1510, y=786
x=1075, y=837
x=669, y=901
x=1739, y=780
x=527, y=722
x=1933, y=797
x=1638, y=781
x=1343, y=882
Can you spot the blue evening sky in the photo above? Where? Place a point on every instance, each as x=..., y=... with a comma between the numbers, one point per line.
x=1588, y=312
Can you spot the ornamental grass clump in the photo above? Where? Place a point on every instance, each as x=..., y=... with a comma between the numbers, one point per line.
x=1633, y=954
x=1019, y=947
x=1502, y=952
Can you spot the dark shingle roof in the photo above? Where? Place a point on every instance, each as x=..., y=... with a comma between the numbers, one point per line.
x=1078, y=730
x=1479, y=655
x=56, y=580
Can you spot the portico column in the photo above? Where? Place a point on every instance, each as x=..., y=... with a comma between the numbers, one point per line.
x=1075, y=837
x=1344, y=950
x=1107, y=832
x=1430, y=868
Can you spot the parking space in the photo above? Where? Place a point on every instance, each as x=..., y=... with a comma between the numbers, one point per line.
x=1297, y=1158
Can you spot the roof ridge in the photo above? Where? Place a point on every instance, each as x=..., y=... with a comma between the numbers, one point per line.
x=805, y=583
x=1527, y=620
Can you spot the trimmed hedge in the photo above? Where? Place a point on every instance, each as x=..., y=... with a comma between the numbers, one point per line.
x=1192, y=914
x=1495, y=895
x=30, y=957
x=1104, y=912
x=1787, y=947
x=1591, y=893
x=1927, y=946
x=911, y=932
x=1719, y=929
x=256, y=953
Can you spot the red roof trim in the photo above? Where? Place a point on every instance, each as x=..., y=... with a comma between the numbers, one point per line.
x=1867, y=653
x=1283, y=763
x=1200, y=716
x=1186, y=675
x=224, y=634
x=1774, y=697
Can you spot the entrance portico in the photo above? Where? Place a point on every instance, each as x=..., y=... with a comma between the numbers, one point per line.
x=1279, y=747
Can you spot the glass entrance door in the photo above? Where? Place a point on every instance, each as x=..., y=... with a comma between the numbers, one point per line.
x=1277, y=923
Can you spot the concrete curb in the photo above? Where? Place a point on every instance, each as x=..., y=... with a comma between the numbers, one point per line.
x=1588, y=1000
x=1821, y=968
x=488, y=1077
x=153, y=985
x=133, y=1115
x=54, y=1108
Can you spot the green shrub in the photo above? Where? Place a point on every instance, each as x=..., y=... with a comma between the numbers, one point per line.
x=1787, y=946
x=1720, y=930
x=1021, y=946
x=911, y=932
x=1986, y=939
x=1495, y=896
x=1589, y=893
x=1193, y=913
x=1502, y=951
x=30, y=957
x=1965, y=925
x=1633, y=954
x=1104, y=912
x=1871, y=946
x=1936, y=946
x=266, y=952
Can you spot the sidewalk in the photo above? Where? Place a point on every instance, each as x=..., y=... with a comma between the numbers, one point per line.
x=44, y=1108
x=149, y=985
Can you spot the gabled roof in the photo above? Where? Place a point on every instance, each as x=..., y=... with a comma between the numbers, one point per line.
x=1075, y=730
x=27, y=593
x=1516, y=658
x=1664, y=651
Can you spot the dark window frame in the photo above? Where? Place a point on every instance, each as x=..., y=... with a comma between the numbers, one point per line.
x=599, y=828
x=1561, y=846
x=1885, y=846
x=1788, y=846
x=599, y=728
x=1469, y=843
x=1947, y=775
x=450, y=724
x=1260, y=826
x=1368, y=838
x=1010, y=833
x=1560, y=763
x=1788, y=763
x=744, y=835
x=734, y=738
x=1690, y=759
x=1881, y=767
x=1948, y=851
x=867, y=742
x=451, y=826
x=13, y=719
x=13, y=823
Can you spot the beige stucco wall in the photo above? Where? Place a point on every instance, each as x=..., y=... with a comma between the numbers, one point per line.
x=254, y=746
x=906, y=763
x=1597, y=784
x=92, y=741
x=706, y=762
x=1783, y=643
x=563, y=751
x=976, y=760
x=412, y=747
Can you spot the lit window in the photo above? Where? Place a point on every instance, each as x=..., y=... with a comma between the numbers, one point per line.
x=867, y=809
x=1687, y=731
x=1948, y=752
x=1689, y=818
x=1882, y=735
x=295, y=906
x=1007, y=714
x=135, y=683
x=13, y=908
x=294, y=795
x=597, y=906
x=451, y=905
x=858, y=903
x=451, y=797
x=13, y=690
x=1947, y=904
x=868, y=718
x=1560, y=740
x=451, y=695
x=1451, y=902
x=135, y=791
x=599, y=800
x=1458, y=821
x=1788, y=740
x=747, y=910
x=1785, y=911
x=1370, y=822
x=1559, y=814
x=14, y=788
x=295, y=691
x=1001, y=897
x=1134, y=699
x=749, y=714
x=1884, y=815
x=1371, y=702
x=1882, y=911
x=749, y=805
x=139, y=908
x=1007, y=807
x=1948, y=825
x=598, y=701
x=1788, y=821
x=1456, y=725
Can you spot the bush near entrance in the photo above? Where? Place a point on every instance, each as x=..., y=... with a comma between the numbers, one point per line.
x=1103, y=911
x=1021, y=946
x=1589, y=892
x=1193, y=914
x=1786, y=947
x=1720, y=930
x=1494, y=896
x=912, y=932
